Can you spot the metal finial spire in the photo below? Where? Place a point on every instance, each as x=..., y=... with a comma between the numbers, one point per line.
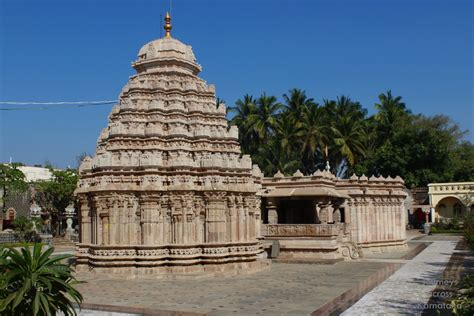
x=168, y=26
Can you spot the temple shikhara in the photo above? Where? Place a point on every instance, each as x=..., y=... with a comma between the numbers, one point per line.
x=169, y=191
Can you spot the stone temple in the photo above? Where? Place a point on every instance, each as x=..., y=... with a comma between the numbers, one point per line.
x=168, y=190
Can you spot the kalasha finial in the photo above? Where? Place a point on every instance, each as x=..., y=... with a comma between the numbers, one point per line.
x=168, y=26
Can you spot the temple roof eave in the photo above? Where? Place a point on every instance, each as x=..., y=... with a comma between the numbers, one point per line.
x=305, y=192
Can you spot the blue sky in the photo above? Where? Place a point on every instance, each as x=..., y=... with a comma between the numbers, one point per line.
x=81, y=50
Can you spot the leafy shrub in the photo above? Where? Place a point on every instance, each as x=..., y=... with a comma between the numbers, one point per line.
x=463, y=303
x=36, y=283
x=24, y=230
x=469, y=229
x=444, y=226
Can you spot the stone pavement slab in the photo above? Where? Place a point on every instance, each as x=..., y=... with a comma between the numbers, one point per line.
x=408, y=289
x=285, y=289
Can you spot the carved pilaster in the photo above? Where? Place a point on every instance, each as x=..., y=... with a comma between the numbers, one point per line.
x=272, y=211
x=215, y=216
x=85, y=219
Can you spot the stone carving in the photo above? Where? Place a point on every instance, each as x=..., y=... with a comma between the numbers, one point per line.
x=301, y=230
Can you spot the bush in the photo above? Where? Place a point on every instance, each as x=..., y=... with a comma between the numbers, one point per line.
x=36, y=283
x=463, y=303
x=24, y=230
x=453, y=226
x=469, y=229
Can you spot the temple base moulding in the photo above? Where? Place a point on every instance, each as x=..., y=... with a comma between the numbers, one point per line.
x=163, y=260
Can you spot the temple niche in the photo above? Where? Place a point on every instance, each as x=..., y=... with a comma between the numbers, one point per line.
x=168, y=190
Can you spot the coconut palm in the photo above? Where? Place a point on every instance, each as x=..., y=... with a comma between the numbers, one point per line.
x=347, y=132
x=288, y=133
x=36, y=283
x=272, y=157
x=391, y=111
x=242, y=109
x=263, y=120
x=314, y=137
x=297, y=102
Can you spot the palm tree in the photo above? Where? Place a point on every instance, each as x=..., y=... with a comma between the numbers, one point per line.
x=263, y=120
x=288, y=133
x=297, y=102
x=314, y=137
x=34, y=283
x=272, y=157
x=242, y=109
x=391, y=112
x=347, y=133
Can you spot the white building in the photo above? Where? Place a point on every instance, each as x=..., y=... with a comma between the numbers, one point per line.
x=33, y=174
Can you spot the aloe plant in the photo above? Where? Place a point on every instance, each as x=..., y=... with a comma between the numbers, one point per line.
x=33, y=282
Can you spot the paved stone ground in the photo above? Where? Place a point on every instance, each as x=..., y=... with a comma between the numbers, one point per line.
x=408, y=289
x=295, y=289
x=285, y=289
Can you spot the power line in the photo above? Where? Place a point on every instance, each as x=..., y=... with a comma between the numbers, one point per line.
x=51, y=105
x=56, y=103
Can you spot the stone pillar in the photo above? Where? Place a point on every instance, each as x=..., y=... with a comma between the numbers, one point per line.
x=385, y=222
x=391, y=220
x=165, y=220
x=258, y=216
x=149, y=219
x=113, y=225
x=247, y=218
x=325, y=211
x=104, y=217
x=272, y=208
x=215, y=220
x=86, y=220
x=135, y=231
x=360, y=222
x=233, y=223
x=378, y=213
x=403, y=218
x=365, y=222
x=98, y=221
x=240, y=218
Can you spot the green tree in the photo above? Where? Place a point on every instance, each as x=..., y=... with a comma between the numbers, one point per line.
x=242, y=110
x=423, y=151
x=347, y=133
x=463, y=161
x=296, y=103
x=263, y=119
x=12, y=180
x=55, y=195
x=36, y=283
x=314, y=138
x=272, y=157
x=392, y=113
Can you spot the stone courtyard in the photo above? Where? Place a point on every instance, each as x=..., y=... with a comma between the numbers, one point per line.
x=379, y=284
x=297, y=289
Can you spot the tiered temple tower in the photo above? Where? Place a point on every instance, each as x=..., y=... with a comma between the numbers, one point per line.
x=168, y=190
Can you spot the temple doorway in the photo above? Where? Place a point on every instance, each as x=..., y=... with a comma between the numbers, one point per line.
x=296, y=212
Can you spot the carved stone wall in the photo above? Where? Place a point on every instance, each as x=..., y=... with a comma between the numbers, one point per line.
x=372, y=208
x=168, y=172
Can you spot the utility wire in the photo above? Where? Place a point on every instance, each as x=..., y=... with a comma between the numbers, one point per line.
x=56, y=103
x=50, y=105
